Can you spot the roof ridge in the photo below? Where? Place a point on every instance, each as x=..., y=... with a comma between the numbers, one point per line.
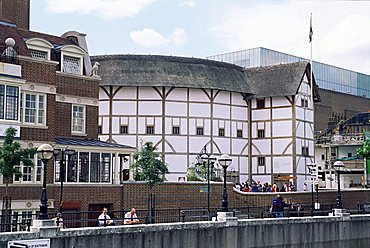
x=179, y=59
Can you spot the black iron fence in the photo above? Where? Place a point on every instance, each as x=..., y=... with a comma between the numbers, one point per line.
x=168, y=215
x=11, y=58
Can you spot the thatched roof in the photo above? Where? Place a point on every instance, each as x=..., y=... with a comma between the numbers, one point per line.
x=278, y=80
x=169, y=71
x=155, y=70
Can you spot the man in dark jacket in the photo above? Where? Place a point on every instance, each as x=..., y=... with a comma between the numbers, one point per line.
x=277, y=206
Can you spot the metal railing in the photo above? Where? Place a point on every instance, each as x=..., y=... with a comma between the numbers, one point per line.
x=11, y=59
x=168, y=215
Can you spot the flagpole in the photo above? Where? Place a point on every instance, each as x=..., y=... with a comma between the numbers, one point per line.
x=312, y=90
x=311, y=76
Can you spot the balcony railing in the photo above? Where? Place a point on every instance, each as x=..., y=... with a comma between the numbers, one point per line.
x=10, y=57
x=348, y=139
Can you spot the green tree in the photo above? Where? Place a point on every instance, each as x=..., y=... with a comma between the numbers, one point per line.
x=364, y=151
x=11, y=155
x=148, y=165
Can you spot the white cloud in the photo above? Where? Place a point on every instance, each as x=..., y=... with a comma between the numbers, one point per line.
x=189, y=3
x=340, y=37
x=151, y=38
x=178, y=36
x=148, y=37
x=107, y=9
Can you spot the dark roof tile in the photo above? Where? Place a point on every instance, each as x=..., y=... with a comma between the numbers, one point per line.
x=88, y=142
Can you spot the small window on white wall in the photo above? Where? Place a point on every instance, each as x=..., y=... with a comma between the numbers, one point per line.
x=260, y=103
x=78, y=119
x=239, y=133
x=176, y=130
x=261, y=161
x=261, y=133
x=200, y=131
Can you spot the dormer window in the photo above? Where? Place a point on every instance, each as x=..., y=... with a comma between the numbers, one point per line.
x=71, y=65
x=39, y=48
x=39, y=54
x=72, y=59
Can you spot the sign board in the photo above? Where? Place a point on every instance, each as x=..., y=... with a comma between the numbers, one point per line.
x=34, y=243
x=204, y=189
x=4, y=127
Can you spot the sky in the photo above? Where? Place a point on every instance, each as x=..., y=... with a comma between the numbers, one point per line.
x=200, y=28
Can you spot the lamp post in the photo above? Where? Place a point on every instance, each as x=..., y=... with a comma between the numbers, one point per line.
x=337, y=166
x=209, y=160
x=44, y=152
x=62, y=152
x=225, y=160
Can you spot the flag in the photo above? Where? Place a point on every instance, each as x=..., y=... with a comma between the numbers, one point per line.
x=311, y=33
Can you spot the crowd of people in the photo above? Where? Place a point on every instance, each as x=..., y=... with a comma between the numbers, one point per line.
x=266, y=187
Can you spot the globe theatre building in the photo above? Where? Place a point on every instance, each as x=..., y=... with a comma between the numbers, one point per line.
x=261, y=117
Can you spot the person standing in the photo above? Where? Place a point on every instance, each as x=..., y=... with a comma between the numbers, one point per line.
x=104, y=219
x=277, y=207
x=131, y=217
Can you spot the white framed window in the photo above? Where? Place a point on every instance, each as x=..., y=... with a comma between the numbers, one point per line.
x=39, y=54
x=39, y=48
x=72, y=65
x=72, y=59
x=33, y=108
x=9, y=102
x=78, y=119
x=85, y=167
x=30, y=174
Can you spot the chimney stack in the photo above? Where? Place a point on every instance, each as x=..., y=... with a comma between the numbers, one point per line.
x=16, y=11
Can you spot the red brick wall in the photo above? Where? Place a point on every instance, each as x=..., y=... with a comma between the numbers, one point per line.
x=76, y=86
x=92, y=114
x=41, y=134
x=64, y=117
x=170, y=195
x=38, y=72
x=17, y=11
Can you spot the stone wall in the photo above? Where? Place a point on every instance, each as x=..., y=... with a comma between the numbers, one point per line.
x=318, y=232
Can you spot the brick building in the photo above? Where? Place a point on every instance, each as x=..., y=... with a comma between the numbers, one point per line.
x=48, y=95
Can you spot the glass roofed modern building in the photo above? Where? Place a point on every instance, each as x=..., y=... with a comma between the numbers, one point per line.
x=327, y=76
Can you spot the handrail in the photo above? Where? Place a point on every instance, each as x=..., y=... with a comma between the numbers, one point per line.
x=168, y=215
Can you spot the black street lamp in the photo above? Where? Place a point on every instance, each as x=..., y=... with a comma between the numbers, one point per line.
x=225, y=160
x=44, y=152
x=210, y=161
x=60, y=153
x=337, y=166
x=312, y=170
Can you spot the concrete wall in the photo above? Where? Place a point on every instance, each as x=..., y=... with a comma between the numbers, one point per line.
x=319, y=232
